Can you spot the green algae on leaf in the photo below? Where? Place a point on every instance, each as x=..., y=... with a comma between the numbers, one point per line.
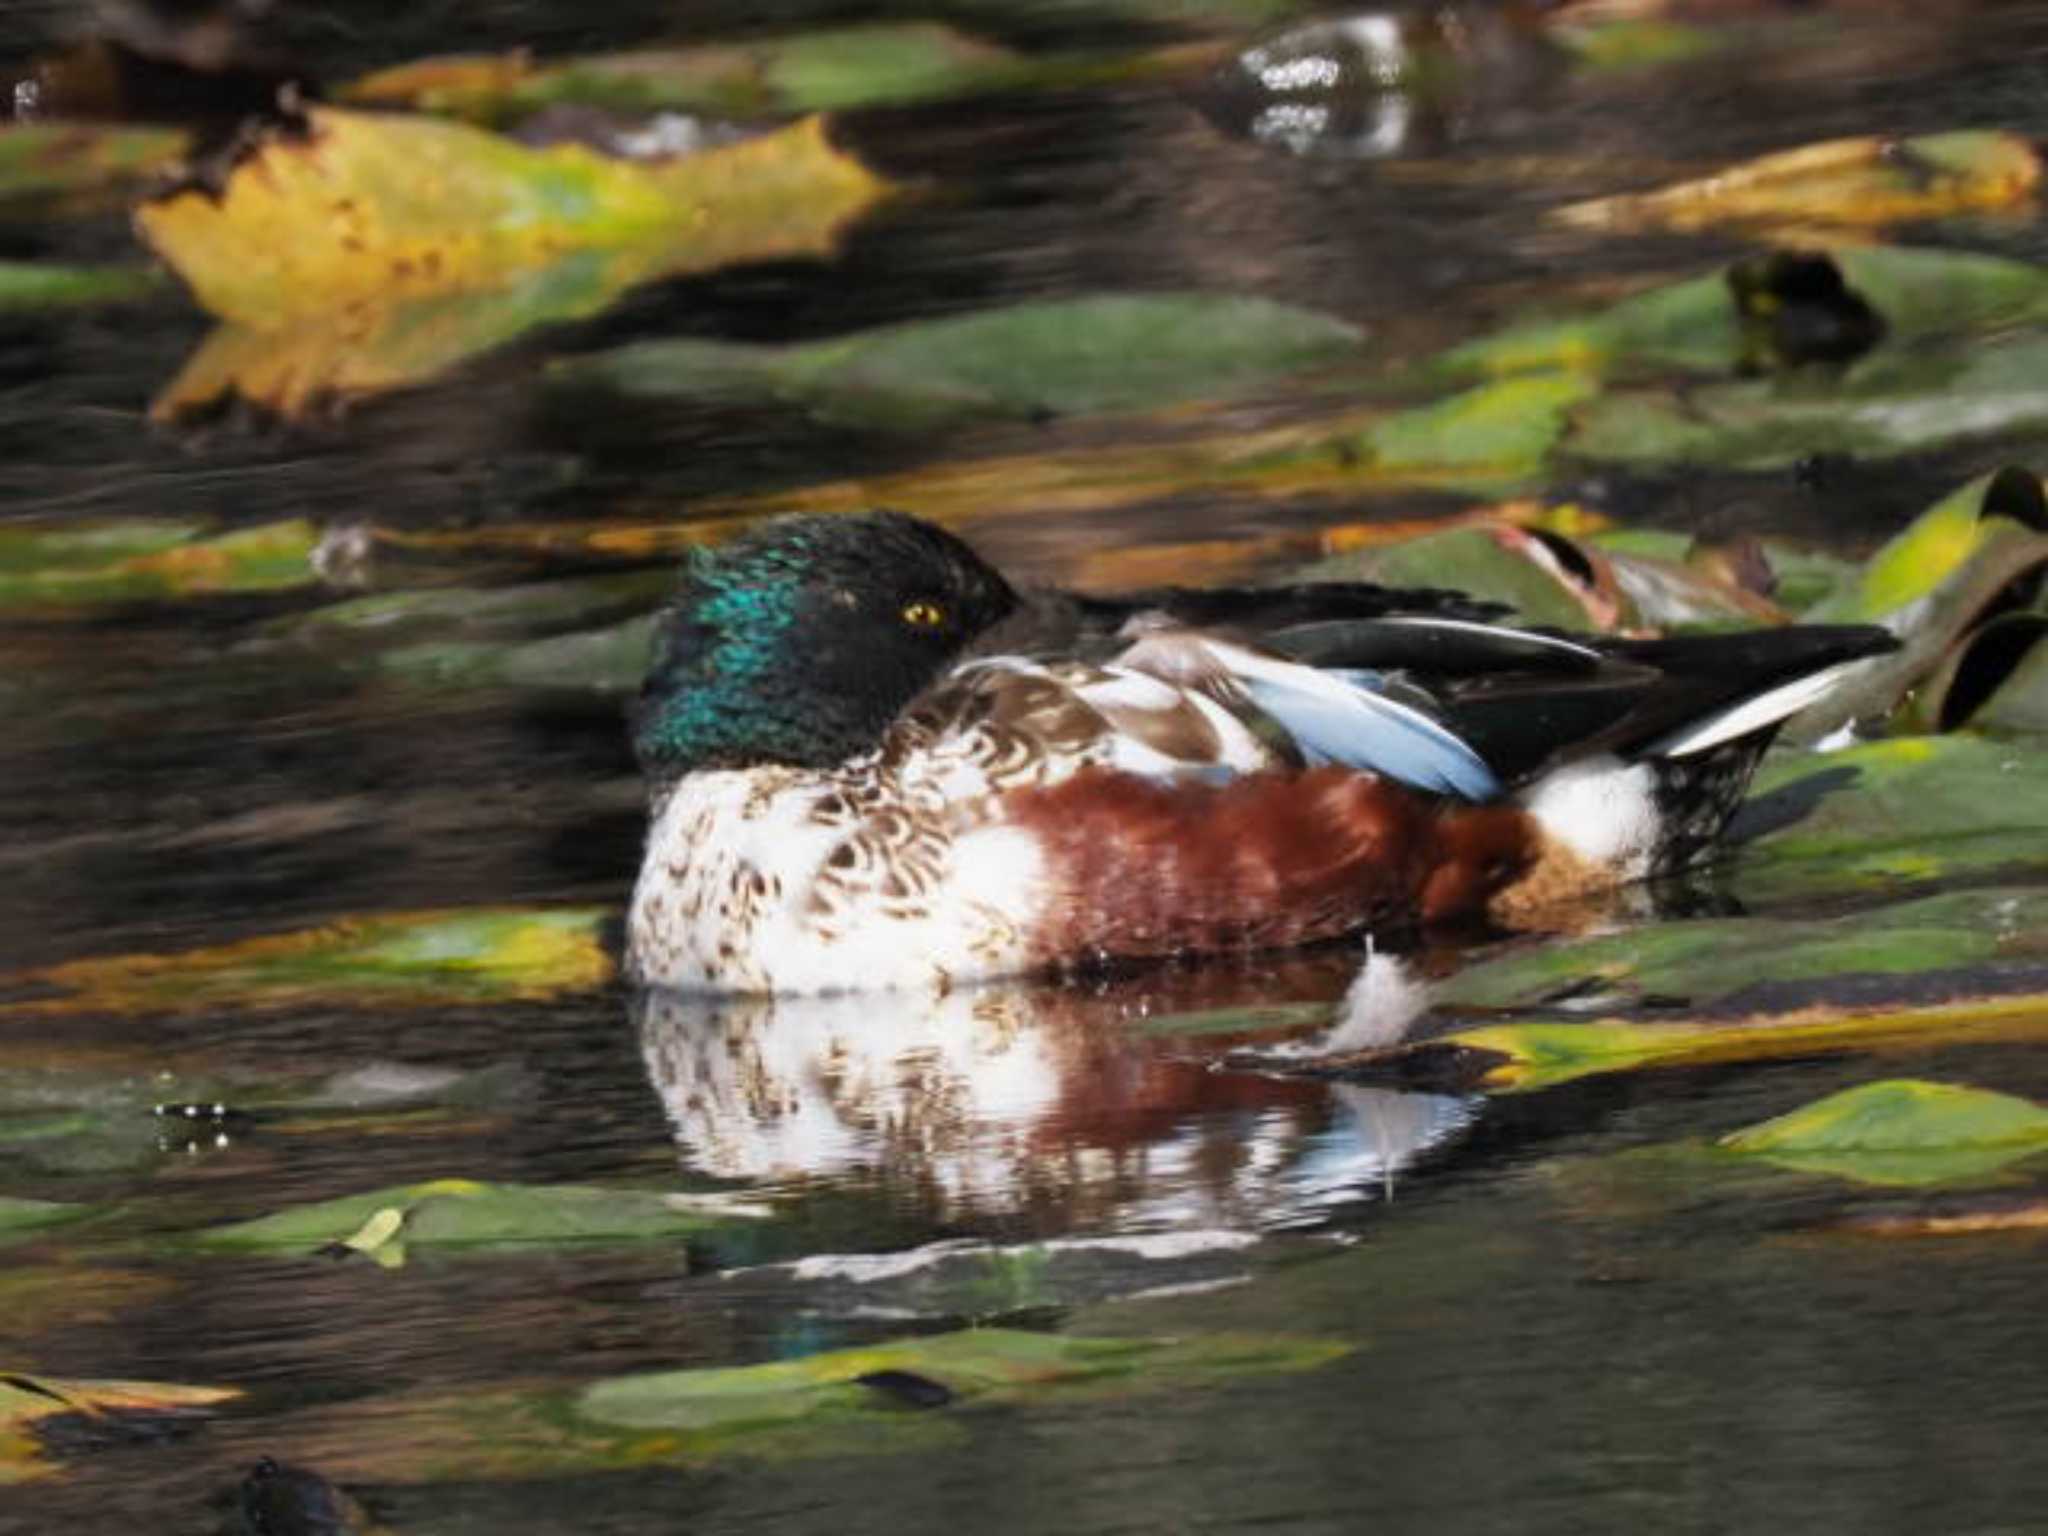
x=41, y=160
x=462, y=1213
x=403, y=959
x=1099, y=352
x=739, y=1409
x=34, y=285
x=1901, y=1131
x=1530, y=1056
x=1695, y=326
x=611, y=660
x=827, y=70
x=1889, y=813
x=80, y=564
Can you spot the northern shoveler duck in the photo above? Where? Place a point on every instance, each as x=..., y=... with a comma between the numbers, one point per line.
x=875, y=763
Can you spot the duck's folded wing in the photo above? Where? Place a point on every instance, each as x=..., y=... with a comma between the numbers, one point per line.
x=1526, y=699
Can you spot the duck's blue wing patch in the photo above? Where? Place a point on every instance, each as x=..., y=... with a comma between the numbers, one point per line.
x=1342, y=717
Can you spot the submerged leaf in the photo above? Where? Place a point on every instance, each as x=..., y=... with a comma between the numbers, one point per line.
x=35, y=285
x=19, y=1218
x=1096, y=353
x=1901, y=1132
x=505, y=954
x=1857, y=182
x=42, y=159
x=464, y=1213
x=826, y=70
x=32, y=1408
x=1932, y=585
x=1897, y=403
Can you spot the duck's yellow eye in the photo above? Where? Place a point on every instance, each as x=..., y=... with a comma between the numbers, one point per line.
x=923, y=615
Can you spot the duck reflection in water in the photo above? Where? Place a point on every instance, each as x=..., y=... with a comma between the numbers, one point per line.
x=1062, y=1109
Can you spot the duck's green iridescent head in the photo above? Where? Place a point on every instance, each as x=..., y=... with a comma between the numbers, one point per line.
x=800, y=640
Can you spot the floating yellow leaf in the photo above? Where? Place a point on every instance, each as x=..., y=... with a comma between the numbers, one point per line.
x=1847, y=182
x=363, y=209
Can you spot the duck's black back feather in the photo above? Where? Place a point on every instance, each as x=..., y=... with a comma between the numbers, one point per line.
x=1054, y=622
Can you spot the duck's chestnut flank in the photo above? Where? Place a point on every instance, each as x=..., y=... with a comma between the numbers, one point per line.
x=1137, y=867
x=875, y=763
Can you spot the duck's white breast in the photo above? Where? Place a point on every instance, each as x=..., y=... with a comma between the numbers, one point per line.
x=782, y=880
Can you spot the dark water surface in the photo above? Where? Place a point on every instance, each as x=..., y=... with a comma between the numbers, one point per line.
x=1552, y=1328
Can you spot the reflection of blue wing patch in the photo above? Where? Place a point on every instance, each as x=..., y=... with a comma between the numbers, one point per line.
x=1344, y=721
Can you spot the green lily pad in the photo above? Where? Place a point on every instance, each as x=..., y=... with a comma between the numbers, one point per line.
x=462, y=1213
x=1933, y=584
x=1902, y=1131
x=795, y=1409
x=1098, y=353
x=1694, y=326
x=413, y=958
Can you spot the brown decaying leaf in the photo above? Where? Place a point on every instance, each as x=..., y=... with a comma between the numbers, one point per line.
x=1860, y=182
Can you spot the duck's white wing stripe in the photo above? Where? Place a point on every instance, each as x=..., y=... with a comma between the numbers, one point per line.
x=1340, y=718
x=1779, y=703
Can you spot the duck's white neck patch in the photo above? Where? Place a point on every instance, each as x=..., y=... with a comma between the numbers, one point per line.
x=1602, y=809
